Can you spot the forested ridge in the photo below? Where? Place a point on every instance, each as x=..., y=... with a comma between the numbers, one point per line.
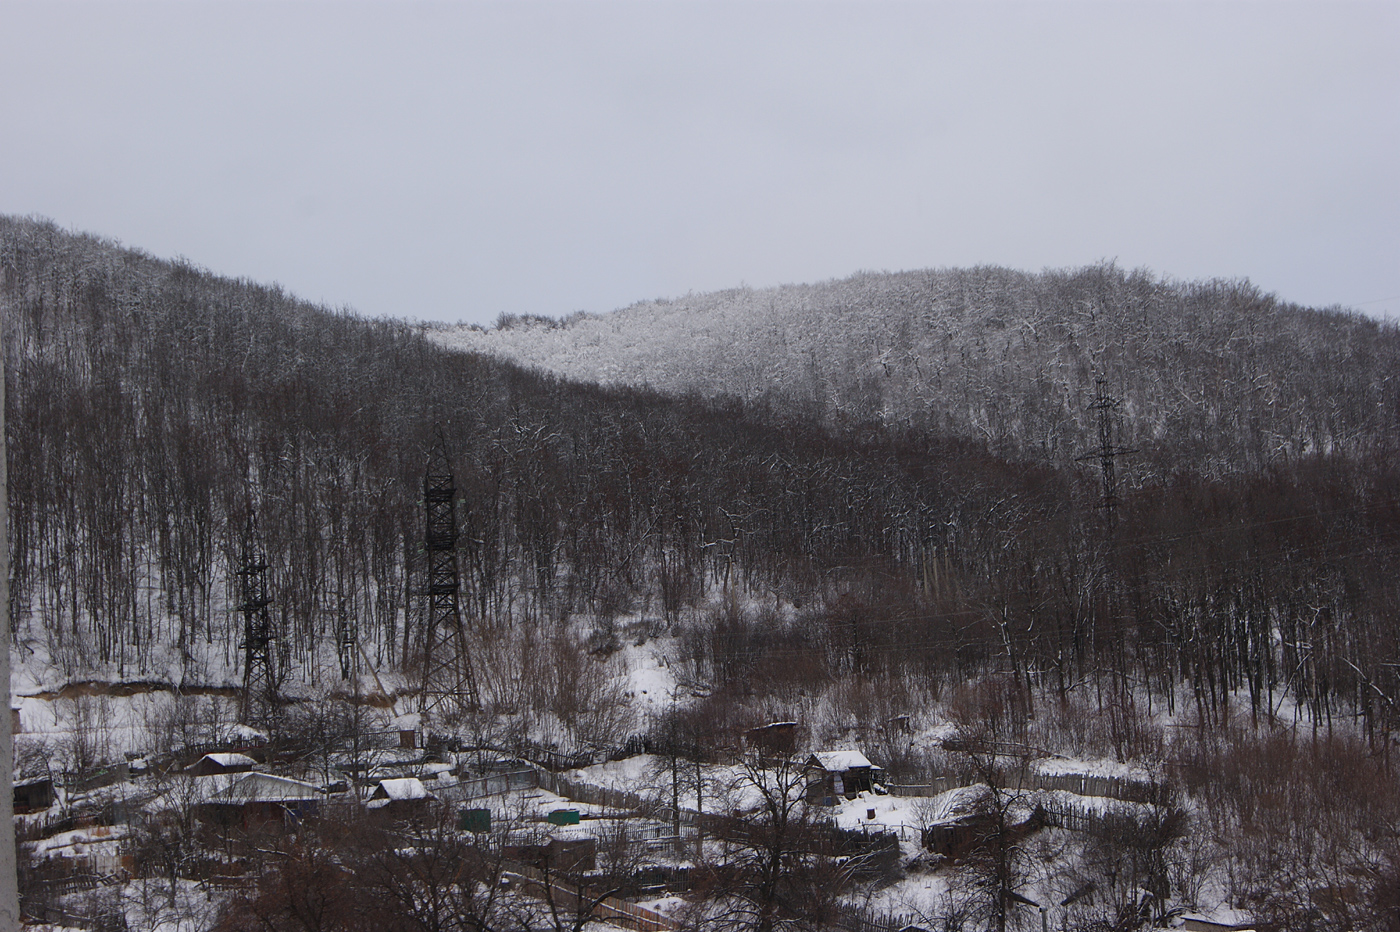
x=1230, y=623
x=152, y=406
x=1215, y=376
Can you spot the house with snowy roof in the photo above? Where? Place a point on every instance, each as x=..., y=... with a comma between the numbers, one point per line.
x=257, y=800
x=401, y=797
x=776, y=739
x=217, y=763
x=33, y=795
x=836, y=775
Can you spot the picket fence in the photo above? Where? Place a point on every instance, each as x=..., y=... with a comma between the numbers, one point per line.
x=1065, y=814
x=853, y=918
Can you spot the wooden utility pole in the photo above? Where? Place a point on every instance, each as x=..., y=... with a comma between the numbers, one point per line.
x=9, y=877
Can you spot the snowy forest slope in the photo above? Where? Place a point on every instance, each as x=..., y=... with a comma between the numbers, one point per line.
x=795, y=552
x=1215, y=372
x=153, y=407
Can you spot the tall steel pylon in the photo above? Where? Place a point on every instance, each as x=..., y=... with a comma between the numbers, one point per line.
x=1107, y=452
x=347, y=637
x=448, y=684
x=259, y=706
x=347, y=633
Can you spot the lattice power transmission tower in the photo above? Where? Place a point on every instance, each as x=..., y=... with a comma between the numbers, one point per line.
x=1108, y=451
x=260, y=704
x=347, y=629
x=347, y=638
x=448, y=684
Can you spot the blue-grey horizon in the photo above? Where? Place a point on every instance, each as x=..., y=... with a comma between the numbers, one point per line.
x=456, y=161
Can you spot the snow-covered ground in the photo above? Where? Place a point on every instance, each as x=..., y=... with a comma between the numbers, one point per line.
x=1099, y=767
x=61, y=722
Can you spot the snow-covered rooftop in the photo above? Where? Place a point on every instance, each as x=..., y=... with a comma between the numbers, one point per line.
x=259, y=787
x=837, y=761
x=403, y=788
x=228, y=759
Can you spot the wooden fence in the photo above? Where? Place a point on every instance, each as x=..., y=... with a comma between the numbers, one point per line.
x=609, y=909
x=551, y=759
x=115, y=812
x=853, y=918
x=933, y=786
x=903, y=832
x=85, y=781
x=74, y=883
x=658, y=878
x=496, y=784
x=1065, y=814
x=633, y=916
x=1083, y=784
x=1026, y=778
x=603, y=796
x=55, y=914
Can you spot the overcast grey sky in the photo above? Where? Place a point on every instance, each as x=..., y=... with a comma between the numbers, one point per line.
x=453, y=161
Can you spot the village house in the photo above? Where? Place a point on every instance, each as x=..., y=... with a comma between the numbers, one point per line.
x=776, y=739
x=400, y=798
x=257, y=800
x=836, y=775
x=219, y=763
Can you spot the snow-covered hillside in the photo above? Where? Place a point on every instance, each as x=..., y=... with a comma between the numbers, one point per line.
x=727, y=585
x=1215, y=367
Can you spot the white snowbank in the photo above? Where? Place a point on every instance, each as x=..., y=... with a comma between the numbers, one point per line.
x=1101, y=767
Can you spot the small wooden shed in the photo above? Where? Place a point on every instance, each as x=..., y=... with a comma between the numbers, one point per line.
x=401, y=797
x=223, y=762
x=776, y=739
x=566, y=855
x=836, y=775
x=957, y=837
x=33, y=795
